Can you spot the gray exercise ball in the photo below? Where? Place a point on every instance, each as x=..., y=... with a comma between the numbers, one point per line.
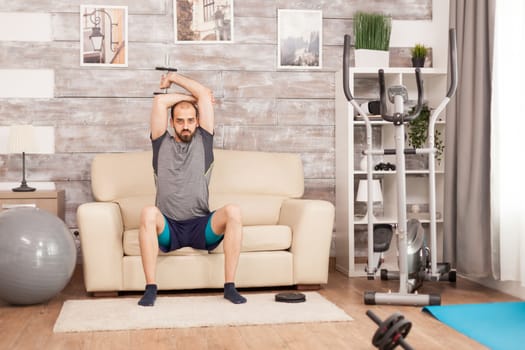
x=37, y=256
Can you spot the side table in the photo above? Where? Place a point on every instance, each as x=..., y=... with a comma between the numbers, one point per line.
x=51, y=201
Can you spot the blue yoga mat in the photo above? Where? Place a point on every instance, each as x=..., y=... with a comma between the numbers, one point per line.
x=495, y=325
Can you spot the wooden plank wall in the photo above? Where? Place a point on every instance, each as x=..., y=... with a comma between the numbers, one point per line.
x=97, y=110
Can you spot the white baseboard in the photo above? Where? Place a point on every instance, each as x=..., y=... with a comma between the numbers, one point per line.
x=513, y=288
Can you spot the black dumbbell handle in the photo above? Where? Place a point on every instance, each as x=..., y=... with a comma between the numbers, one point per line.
x=169, y=69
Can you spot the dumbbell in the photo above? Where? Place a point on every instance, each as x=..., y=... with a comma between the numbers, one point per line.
x=385, y=166
x=166, y=69
x=391, y=332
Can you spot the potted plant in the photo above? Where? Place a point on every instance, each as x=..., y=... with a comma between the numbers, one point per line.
x=372, y=39
x=419, y=54
x=418, y=133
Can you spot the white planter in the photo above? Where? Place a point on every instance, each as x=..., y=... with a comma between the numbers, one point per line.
x=371, y=58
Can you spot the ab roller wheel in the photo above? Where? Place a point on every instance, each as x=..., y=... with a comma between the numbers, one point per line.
x=391, y=332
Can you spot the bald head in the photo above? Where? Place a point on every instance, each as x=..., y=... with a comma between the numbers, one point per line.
x=184, y=108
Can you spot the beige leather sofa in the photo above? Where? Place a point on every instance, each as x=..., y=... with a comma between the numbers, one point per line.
x=286, y=240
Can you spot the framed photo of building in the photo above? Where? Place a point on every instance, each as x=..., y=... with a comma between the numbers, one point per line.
x=103, y=35
x=203, y=21
x=299, y=39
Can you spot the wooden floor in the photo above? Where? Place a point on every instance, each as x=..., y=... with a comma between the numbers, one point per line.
x=31, y=327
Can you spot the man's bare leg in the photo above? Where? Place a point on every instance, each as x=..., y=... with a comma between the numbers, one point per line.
x=151, y=224
x=228, y=220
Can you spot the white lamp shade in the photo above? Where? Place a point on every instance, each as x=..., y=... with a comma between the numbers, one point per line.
x=97, y=42
x=21, y=139
x=362, y=191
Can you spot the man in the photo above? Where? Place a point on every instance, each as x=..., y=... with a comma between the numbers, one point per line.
x=182, y=164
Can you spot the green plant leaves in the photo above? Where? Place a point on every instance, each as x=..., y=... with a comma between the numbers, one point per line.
x=418, y=133
x=372, y=31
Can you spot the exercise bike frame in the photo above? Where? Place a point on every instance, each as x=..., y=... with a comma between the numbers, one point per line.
x=405, y=296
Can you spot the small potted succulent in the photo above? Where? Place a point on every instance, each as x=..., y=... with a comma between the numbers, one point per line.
x=419, y=54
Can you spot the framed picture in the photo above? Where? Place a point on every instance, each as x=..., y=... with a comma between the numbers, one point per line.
x=103, y=35
x=203, y=21
x=299, y=39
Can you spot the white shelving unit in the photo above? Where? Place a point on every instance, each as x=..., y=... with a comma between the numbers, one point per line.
x=350, y=141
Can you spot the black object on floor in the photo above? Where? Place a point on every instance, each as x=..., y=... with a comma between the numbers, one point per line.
x=390, y=332
x=290, y=297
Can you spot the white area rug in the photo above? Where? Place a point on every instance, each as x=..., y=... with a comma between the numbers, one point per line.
x=192, y=311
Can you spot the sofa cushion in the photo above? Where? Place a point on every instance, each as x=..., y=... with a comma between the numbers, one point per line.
x=255, y=238
x=255, y=209
x=130, y=208
x=256, y=181
x=121, y=175
x=265, y=173
x=263, y=238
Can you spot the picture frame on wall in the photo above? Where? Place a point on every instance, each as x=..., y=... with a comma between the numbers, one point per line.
x=203, y=21
x=103, y=35
x=299, y=39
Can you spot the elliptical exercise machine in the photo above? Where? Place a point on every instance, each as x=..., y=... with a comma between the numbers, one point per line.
x=413, y=254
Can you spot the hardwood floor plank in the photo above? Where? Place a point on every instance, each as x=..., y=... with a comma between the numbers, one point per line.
x=158, y=339
x=30, y=327
x=189, y=338
x=12, y=320
x=303, y=336
x=294, y=336
x=226, y=338
x=114, y=340
x=69, y=341
x=261, y=337
x=38, y=320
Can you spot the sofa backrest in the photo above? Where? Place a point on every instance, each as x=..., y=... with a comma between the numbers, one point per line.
x=244, y=172
x=122, y=175
x=257, y=181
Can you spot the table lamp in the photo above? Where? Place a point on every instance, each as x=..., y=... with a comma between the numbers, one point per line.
x=21, y=140
x=362, y=194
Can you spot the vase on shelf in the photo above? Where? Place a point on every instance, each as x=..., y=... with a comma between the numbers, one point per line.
x=371, y=58
x=418, y=62
x=363, y=163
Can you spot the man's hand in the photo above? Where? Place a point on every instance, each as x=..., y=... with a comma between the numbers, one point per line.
x=203, y=95
x=165, y=82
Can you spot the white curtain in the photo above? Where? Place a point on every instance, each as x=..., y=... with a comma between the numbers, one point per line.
x=508, y=142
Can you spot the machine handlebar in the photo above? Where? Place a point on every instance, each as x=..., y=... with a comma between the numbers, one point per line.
x=382, y=90
x=346, y=64
x=453, y=63
x=397, y=117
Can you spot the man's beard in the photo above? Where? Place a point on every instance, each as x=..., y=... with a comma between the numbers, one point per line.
x=185, y=135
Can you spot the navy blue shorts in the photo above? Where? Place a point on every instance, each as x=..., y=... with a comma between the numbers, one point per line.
x=196, y=233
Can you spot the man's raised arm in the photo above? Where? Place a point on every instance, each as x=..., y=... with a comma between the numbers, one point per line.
x=159, y=111
x=204, y=98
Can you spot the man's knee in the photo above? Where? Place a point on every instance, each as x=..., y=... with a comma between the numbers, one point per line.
x=233, y=212
x=148, y=215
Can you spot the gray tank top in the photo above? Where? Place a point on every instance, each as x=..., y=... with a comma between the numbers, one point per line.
x=182, y=174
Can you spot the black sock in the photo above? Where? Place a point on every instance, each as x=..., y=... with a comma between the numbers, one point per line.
x=232, y=295
x=150, y=294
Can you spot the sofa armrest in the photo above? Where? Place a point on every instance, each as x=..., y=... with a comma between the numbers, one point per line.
x=312, y=224
x=101, y=228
